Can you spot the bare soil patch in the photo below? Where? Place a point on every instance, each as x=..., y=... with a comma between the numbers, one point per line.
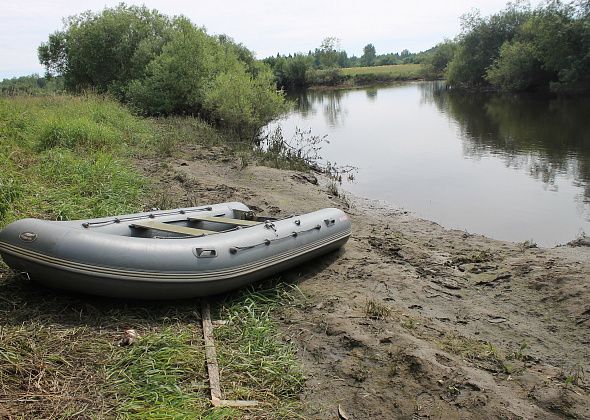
x=411, y=320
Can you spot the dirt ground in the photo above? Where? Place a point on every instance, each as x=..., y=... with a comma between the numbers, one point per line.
x=412, y=320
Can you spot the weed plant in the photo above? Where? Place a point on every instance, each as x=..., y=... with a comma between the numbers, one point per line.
x=376, y=310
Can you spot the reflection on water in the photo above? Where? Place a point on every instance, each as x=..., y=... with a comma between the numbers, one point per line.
x=371, y=93
x=542, y=135
x=514, y=167
x=329, y=101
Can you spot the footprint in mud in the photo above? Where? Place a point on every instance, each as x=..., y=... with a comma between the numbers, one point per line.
x=424, y=405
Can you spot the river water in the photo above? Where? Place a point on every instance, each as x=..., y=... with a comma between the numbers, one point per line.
x=511, y=167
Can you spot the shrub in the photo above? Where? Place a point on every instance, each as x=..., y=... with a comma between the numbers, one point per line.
x=243, y=104
x=330, y=77
x=517, y=67
x=161, y=66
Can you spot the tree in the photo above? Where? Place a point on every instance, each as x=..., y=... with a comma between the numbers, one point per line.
x=162, y=66
x=517, y=67
x=175, y=81
x=519, y=48
x=52, y=54
x=105, y=51
x=328, y=52
x=369, y=55
x=438, y=58
x=480, y=43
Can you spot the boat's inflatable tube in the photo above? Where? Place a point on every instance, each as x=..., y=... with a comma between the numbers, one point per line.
x=118, y=257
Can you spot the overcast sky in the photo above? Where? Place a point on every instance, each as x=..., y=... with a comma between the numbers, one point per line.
x=264, y=26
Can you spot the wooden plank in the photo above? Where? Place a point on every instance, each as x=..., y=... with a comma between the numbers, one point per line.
x=167, y=227
x=213, y=367
x=211, y=355
x=226, y=220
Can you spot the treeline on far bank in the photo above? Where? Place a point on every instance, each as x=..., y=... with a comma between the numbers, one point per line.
x=520, y=49
x=324, y=66
x=33, y=84
x=160, y=65
x=516, y=49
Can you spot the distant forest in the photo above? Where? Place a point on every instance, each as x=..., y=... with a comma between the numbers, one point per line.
x=519, y=48
x=321, y=66
x=33, y=84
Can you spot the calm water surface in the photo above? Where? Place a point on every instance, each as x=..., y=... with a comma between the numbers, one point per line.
x=510, y=167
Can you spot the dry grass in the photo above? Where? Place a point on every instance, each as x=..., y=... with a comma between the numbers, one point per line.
x=482, y=354
x=376, y=310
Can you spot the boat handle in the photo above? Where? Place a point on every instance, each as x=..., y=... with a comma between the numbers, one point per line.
x=205, y=253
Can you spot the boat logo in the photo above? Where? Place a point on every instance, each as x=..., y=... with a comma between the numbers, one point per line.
x=28, y=236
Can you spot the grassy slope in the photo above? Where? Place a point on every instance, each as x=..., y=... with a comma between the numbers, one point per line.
x=68, y=157
x=62, y=158
x=367, y=76
x=398, y=71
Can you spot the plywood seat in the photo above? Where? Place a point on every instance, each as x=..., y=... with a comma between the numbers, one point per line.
x=166, y=227
x=226, y=220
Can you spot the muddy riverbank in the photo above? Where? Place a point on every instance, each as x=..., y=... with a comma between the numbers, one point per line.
x=411, y=320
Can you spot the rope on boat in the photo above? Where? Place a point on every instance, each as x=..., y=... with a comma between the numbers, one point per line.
x=294, y=234
x=147, y=216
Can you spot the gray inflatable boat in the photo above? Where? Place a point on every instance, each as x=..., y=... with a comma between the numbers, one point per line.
x=168, y=254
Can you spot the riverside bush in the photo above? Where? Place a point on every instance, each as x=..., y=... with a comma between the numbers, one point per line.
x=241, y=103
x=521, y=48
x=163, y=66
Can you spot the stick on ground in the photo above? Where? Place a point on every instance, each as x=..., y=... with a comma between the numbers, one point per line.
x=213, y=368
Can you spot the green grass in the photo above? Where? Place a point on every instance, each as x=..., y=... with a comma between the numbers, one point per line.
x=68, y=157
x=63, y=157
x=397, y=71
x=255, y=362
x=366, y=76
x=160, y=376
x=59, y=356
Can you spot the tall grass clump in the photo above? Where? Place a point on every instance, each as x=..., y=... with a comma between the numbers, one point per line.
x=62, y=157
x=255, y=362
x=79, y=133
